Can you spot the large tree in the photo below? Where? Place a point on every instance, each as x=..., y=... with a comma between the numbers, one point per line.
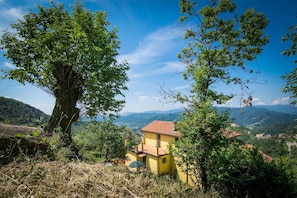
x=291, y=78
x=219, y=43
x=72, y=55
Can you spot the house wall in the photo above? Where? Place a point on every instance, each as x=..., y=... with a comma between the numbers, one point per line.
x=150, y=138
x=164, y=164
x=156, y=164
x=173, y=167
x=130, y=157
x=152, y=164
x=165, y=140
x=184, y=176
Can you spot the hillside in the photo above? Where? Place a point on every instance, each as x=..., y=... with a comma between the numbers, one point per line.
x=16, y=112
x=254, y=117
x=281, y=108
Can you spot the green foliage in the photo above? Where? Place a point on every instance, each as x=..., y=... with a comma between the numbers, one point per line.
x=219, y=43
x=244, y=173
x=36, y=133
x=198, y=140
x=291, y=79
x=71, y=55
x=57, y=150
x=103, y=140
x=275, y=129
x=291, y=85
x=290, y=165
x=274, y=145
x=20, y=135
x=18, y=113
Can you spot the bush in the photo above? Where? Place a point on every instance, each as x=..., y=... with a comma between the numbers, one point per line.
x=57, y=150
x=244, y=173
x=103, y=141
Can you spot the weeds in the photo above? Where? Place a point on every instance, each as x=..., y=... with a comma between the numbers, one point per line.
x=79, y=179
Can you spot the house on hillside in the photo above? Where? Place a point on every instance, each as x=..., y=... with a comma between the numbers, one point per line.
x=153, y=150
x=154, y=153
x=263, y=136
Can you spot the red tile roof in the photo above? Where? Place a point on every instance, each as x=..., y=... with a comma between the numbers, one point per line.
x=167, y=128
x=161, y=127
x=230, y=134
x=264, y=155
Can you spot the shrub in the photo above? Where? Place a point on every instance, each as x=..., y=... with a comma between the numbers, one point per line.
x=244, y=173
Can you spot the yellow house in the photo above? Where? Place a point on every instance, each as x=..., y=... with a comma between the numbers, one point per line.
x=153, y=150
x=154, y=153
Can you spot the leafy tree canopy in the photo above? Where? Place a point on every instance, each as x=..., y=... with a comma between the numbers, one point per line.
x=72, y=55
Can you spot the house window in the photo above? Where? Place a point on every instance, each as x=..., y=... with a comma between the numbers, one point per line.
x=158, y=140
x=164, y=160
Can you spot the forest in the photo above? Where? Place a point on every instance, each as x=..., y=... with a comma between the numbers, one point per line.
x=16, y=112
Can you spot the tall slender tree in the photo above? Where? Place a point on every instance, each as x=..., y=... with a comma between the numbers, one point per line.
x=219, y=41
x=72, y=56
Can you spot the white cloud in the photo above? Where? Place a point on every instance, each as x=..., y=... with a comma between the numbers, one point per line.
x=257, y=101
x=15, y=13
x=284, y=100
x=154, y=45
x=9, y=16
x=136, y=75
x=142, y=98
x=230, y=103
x=9, y=65
x=182, y=87
x=171, y=67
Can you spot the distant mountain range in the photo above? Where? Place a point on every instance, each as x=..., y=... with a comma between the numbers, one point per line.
x=252, y=117
x=259, y=116
x=16, y=112
x=280, y=108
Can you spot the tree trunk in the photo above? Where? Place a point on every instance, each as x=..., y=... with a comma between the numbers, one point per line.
x=67, y=92
x=64, y=114
x=203, y=175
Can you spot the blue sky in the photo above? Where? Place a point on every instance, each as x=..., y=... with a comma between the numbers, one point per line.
x=151, y=37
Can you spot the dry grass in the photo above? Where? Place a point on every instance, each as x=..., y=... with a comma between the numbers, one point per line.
x=79, y=179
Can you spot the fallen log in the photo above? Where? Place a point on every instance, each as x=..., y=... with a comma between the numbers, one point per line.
x=15, y=140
